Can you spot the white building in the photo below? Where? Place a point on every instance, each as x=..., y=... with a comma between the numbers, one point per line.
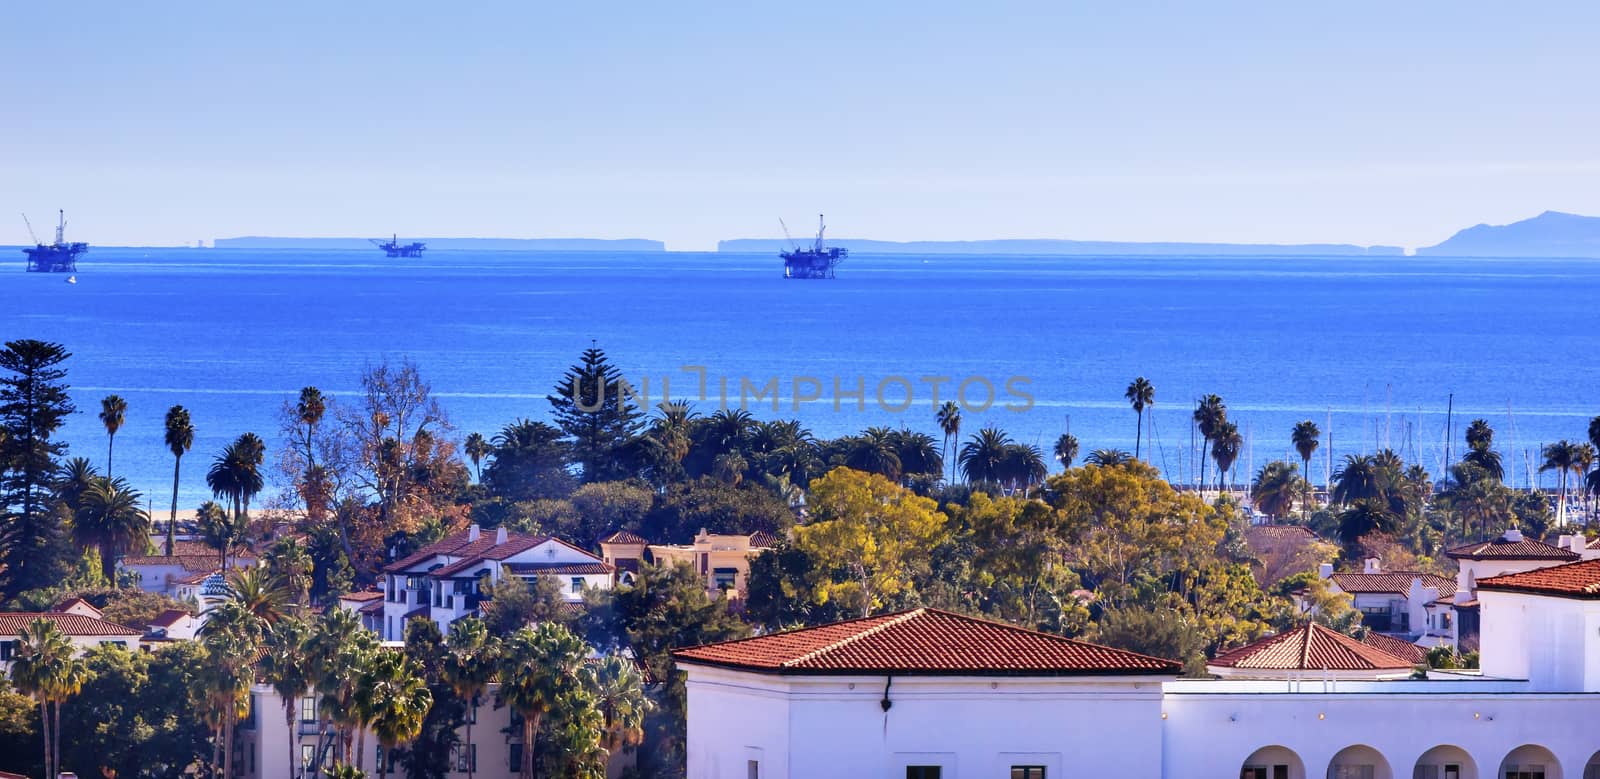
x=85, y=631
x=442, y=580
x=1510, y=553
x=1396, y=603
x=930, y=695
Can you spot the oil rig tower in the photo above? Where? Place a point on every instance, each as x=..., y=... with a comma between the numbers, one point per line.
x=58, y=257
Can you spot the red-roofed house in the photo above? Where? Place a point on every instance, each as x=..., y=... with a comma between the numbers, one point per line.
x=922, y=693
x=722, y=560
x=174, y=625
x=1509, y=553
x=1310, y=651
x=1395, y=602
x=441, y=580
x=84, y=632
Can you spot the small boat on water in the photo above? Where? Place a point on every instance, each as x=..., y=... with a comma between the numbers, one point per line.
x=72, y=279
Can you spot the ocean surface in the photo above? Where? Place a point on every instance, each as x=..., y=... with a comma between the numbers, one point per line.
x=1372, y=348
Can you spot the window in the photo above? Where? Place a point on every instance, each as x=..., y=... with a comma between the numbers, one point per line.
x=1532, y=771
x=724, y=578
x=752, y=769
x=308, y=709
x=516, y=758
x=8, y=649
x=308, y=754
x=464, y=757
x=577, y=584
x=1351, y=772
x=922, y=772
x=1264, y=772
x=1027, y=772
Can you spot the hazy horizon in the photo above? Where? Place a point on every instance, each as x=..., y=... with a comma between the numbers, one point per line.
x=1368, y=124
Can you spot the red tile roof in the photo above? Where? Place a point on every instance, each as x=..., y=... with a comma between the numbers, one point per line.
x=12, y=622
x=1404, y=650
x=922, y=642
x=1579, y=580
x=623, y=537
x=167, y=618
x=528, y=569
x=361, y=597
x=1257, y=535
x=1398, y=582
x=193, y=563
x=761, y=539
x=1310, y=648
x=71, y=602
x=1520, y=549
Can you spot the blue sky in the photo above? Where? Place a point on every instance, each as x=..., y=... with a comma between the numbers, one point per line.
x=1365, y=122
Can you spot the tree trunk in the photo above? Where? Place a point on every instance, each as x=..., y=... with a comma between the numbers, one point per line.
x=530, y=726
x=1138, y=433
x=288, y=721
x=44, y=735
x=227, y=743
x=55, y=738
x=111, y=440
x=361, y=748
x=472, y=762
x=172, y=521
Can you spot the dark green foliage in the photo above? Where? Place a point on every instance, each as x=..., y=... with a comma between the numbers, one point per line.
x=529, y=462
x=331, y=574
x=33, y=405
x=513, y=604
x=707, y=504
x=428, y=755
x=779, y=590
x=133, y=718
x=600, y=422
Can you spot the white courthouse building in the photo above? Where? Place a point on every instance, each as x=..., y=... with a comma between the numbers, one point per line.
x=927, y=694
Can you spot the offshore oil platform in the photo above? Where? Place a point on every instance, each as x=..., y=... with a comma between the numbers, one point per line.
x=58, y=257
x=816, y=262
x=393, y=247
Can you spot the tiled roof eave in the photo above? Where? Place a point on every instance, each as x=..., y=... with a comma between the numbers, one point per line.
x=1536, y=590
x=766, y=670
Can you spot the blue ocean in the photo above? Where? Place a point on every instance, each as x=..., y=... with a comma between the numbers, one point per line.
x=1372, y=349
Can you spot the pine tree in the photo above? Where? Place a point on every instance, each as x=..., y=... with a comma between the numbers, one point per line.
x=33, y=405
x=591, y=405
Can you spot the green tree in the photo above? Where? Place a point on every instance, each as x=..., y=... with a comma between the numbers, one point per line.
x=220, y=530
x=179, y=437
x=983, y=456
x=133, y=720
x=1209, y=414
x=1226, y=443
x=1066, y=450
x=1306, y=437
x=284, y=669
x=290, y=567
x=113, y=411
x=603, y=507
x=1107, y=458
x=949, y=420
x=514, y=603
x=1275, y=487
x=470, y=661
x=538, y=667
x=1140, y=394
x=618, y=694
x=46, y=670
x=231, y=636
x=529, y=461
x=477, y=448
x=1564, y=457
x=111, y=520
x=333, y=654
x=593, y=407
x=873, y=532
x=235, y=474
x=393, y=700
x=33, y=404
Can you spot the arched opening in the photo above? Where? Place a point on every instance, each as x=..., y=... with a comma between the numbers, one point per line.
x=1445, y=762
x=1530, y=761
x=1273, y=762
x=1359, y=762
x=1591, y=769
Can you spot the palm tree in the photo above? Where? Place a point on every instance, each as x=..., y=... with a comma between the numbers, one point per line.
x=983, y=456
x=45, y=670
x=471, y=655
x=179, y=438
x=916, y=453
x=1275, y=488
x=1140, y=393
x=284, y=669
x=874, y=451
x=290, y=567
x=1359, y=478
x=259, y=593
x=113, y=409
x=538, y=667
x=1022, y=465
x=332, y=655
x=1107, y=458
x=1066, y=450
x=73, y=481
x=111, y=520
x=1306, y=437
x=1562, y=456
x=236, y=473
x=393, y=699
x=231, y=636
x=1209, y=413
x=1363, y=517
x=477, y=447
x=1225, y=447
x=619, y=696
x=219, y=529
x=949, y=419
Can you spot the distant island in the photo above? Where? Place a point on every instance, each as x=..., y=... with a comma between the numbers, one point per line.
x=1550, y=234
x=460, y=244
x=1065, y=247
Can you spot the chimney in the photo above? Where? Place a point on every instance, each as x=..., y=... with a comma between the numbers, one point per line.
x=1564, y=541
x=500, y=535
x=1371, y=565
x=472, y=532
x=1325, y=571
x=1512, y=535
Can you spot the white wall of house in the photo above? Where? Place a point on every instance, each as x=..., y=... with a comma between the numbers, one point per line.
x=1552, y=642
x=812, y=726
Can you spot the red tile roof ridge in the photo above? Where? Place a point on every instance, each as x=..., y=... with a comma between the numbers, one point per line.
x=905, y=616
